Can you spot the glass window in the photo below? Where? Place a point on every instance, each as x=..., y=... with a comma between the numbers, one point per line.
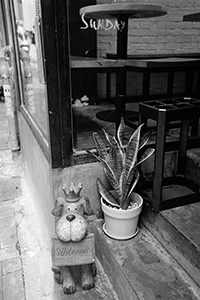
x=93, y=87
x=29, y=36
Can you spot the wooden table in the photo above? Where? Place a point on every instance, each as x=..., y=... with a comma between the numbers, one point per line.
x=122, y=12
x=98, y=64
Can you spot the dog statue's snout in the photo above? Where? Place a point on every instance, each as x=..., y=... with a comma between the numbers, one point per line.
x=70, y=218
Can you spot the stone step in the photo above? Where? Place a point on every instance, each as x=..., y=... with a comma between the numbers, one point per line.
x=102, y=290
x=193, y=165
x=141, y=268
x=178, y=230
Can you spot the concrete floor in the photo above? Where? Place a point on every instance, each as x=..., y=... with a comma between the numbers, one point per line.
x=25, y=259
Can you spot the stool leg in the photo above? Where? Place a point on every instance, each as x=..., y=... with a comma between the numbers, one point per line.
x=159, y=160
x=183, y=146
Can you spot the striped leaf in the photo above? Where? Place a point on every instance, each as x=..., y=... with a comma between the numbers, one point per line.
x=131, y=153
x=120, y=133
x=100, y=146
x=129, y=183
x=117, y=155
x=145, y=138
x=127, y=201
x=145, y=156
x=108, y=197
x=111, y=177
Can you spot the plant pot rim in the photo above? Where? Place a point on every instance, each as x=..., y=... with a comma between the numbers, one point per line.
x=119, y=223
x=125, y=210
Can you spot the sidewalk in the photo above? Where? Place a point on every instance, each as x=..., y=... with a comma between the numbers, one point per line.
x=24, y=257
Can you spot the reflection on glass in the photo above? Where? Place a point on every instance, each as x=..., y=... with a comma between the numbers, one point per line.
x=28, y=21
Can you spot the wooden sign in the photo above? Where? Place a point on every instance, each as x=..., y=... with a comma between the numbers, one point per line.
x=73, y=253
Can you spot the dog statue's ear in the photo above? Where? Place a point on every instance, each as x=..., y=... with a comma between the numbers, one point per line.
x=87, y=208
x=57, y=211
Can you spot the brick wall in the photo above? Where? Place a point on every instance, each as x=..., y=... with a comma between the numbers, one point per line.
x=167, y=34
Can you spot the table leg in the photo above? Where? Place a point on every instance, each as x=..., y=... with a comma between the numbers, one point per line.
x=122, y=44
x=122, y=37
x=120, y=96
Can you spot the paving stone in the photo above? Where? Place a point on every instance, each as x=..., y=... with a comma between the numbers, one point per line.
x=11, y=265
x=4, y=205
x=7, y=222
x=13, y=288
x=4, y=214
x=8, y=253
x=8, y=236
x=10, y=188
x=1, y=283
x=5, y=156
x=1, y=272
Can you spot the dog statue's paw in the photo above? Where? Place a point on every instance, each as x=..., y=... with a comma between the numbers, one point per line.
x=69, y=289
x=88, y=285
x=69, y=286
x=87, y=279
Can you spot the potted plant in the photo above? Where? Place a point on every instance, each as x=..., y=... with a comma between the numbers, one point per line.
x=121, y=205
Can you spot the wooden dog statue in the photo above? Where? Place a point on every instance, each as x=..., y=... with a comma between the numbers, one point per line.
x=72, y=226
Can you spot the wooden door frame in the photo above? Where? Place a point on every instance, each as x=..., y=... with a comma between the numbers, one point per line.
x=55, y=29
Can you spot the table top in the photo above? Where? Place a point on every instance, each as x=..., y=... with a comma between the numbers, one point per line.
x=170, y=62
x=130, y=10
x=156, y=55
x=94, y=63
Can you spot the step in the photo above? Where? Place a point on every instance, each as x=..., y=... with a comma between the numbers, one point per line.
x=141, y=268
x=178, y=230
x=102, y=290
x=193, y=165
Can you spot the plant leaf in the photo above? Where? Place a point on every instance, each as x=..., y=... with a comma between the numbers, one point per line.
x=120, y=133
x=108, y=197
x=145, y=138
x=111, y=177
x=129, y=183
x=90, y=152
x=100, y=146
x=117, y=155
x=127, y=199
x=131, y=154
x=145, y=155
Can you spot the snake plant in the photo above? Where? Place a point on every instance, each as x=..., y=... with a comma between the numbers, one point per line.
x=120, y=164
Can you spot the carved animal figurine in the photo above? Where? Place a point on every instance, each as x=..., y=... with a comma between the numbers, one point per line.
x=72, y=226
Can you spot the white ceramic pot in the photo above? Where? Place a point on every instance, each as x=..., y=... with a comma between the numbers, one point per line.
x=122, y=224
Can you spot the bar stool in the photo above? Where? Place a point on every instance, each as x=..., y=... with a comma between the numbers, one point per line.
x=164, y=112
